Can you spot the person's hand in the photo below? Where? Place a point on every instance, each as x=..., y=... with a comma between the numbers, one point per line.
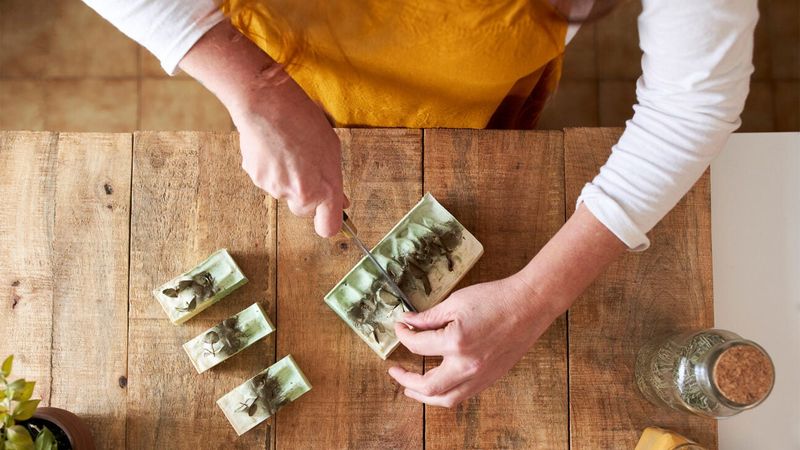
x=290, y=150
x=481, y=331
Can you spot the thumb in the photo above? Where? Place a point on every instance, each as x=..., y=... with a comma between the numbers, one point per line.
x=328, y=219
x=431, y=319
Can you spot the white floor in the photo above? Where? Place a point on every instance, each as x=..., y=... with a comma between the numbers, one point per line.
x=755, y=210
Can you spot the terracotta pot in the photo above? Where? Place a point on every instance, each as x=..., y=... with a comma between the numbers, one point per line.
x=80, y=437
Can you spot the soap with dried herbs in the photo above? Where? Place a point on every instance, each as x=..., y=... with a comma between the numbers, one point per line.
x=427, y=253
x=228, y=337
x=260, y=397
x=190, y=293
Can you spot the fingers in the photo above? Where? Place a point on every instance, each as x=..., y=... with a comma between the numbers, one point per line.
x=328, y=218
x=431, y=319
x=453, y=397
x=425, y=342
x=434, y=382
x=311, y=210
x=301, y=210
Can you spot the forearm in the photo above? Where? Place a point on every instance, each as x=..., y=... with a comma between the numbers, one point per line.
x=232, y=67
x=571, y=261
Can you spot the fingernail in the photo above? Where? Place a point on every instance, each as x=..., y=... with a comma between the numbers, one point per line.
x=408, y=325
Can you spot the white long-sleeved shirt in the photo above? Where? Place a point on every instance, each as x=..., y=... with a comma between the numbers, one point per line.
x=695, y=78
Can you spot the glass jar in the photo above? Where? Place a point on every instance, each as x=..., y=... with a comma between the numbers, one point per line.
x=712, y=373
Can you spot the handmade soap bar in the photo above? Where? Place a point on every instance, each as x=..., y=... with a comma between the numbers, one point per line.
x=654, y=438
x=426, y=253
x=260, y=397
x=188, y=294
x=228, y=337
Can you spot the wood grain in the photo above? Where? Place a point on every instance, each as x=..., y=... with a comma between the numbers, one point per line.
x=27, y=186
x=642, y=296
x=190, y=197
x=75, y=296
x=90, y=281
x=507, y=188
x=354, y=403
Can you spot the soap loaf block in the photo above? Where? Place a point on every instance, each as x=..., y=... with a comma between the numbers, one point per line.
x=262, y=396
x=228, y=337
x=188, y=294
x=426, y=253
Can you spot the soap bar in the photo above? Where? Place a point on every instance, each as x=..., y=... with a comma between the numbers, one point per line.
x=260, y=397
x=188, y=294
x=654, y=438
x=426, y=253
x=228, y=337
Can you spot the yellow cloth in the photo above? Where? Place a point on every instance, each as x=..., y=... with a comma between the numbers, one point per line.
x=413, y=63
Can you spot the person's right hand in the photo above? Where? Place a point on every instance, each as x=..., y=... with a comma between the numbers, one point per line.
x=290, y=150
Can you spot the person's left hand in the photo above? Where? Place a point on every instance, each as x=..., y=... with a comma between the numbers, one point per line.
x=481, y=331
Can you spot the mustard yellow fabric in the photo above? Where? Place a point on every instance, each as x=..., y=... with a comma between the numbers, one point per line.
x=413, y=63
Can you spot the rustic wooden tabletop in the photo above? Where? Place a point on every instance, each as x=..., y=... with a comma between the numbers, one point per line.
x=91, y=223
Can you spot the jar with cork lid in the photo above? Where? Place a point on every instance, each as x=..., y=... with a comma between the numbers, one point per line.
x=712, y=373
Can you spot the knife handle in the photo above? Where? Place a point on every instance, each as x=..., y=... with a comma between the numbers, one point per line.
x=348, y=228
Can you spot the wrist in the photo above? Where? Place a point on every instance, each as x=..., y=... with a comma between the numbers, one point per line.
x=538, y=296
x=570, y=261
x=247, y=100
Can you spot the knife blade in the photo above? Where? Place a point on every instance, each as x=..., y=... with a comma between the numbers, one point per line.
x=350, y=231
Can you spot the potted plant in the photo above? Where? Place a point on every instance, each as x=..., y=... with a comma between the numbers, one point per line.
x=24, y=426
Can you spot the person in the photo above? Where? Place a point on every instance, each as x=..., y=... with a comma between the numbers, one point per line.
x=461, y=63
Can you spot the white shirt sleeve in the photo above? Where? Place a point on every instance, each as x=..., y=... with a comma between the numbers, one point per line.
x=167, y=28
x=695, y=79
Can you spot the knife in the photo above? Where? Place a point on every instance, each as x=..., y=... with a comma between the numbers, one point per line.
x=350, y=231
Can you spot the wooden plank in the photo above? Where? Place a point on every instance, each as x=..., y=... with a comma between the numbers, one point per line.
x=354, y=403
x=27, y=187
x=507, y=188
x=666, y=288
x=90, y=281
x=190, y=197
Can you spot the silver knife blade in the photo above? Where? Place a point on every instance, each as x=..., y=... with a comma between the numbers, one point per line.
x=397, y=292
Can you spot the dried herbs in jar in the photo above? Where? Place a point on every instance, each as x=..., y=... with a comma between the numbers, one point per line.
x=712, y=373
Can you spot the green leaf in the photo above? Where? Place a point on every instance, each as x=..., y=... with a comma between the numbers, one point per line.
x=25, y=410
x=46, y=441
x=6, y=368
x=16, y=385
x=18, y=439
x=24, y=393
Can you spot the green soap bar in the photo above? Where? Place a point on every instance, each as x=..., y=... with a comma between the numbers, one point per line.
x=427, y=253
x=190, y=293
x=260, y=397
x=228, y=337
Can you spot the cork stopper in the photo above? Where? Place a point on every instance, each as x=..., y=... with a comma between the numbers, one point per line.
x=743, y=374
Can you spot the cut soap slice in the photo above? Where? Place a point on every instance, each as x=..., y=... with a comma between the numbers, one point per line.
x=427, y=253
x=190, y=293
x=258, y=398
x=228, y=337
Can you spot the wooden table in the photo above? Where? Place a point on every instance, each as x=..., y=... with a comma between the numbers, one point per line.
x=92, y=222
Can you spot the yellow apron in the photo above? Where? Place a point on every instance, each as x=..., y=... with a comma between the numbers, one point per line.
x=414, y=63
